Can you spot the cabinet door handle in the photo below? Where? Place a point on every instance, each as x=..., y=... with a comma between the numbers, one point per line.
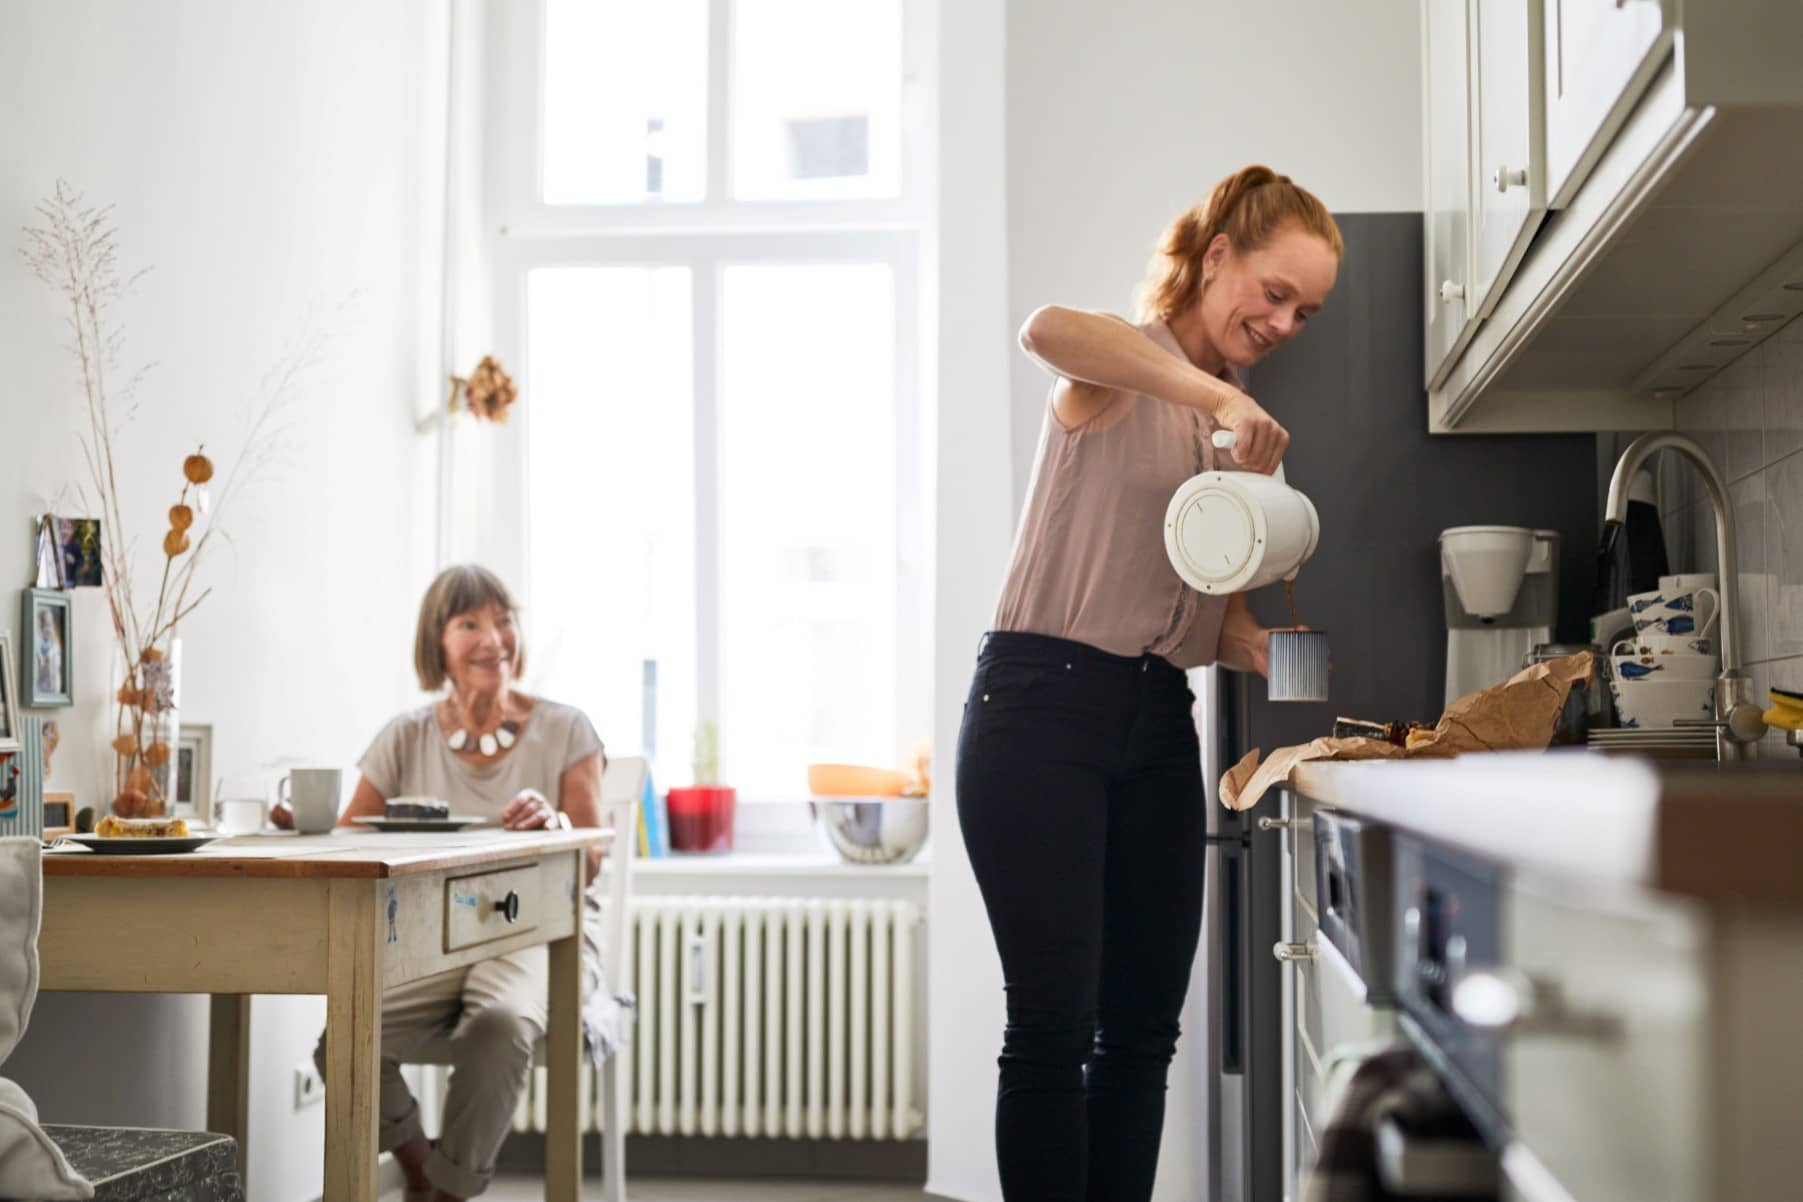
x=1503, y=179
x=1284, y=824
x=1450, y=292
x=1291, y=952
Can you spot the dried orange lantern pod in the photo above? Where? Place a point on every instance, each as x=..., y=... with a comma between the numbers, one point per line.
x=486, y=393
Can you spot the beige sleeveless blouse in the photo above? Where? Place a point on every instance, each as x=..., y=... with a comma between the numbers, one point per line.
x=1089, y=562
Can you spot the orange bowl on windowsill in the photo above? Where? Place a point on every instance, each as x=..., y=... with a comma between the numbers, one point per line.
x=854, y=780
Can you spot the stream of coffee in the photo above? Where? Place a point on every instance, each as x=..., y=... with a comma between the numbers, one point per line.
x=1289, y=594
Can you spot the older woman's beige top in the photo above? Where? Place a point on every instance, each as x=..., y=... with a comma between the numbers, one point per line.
x=1089, y=562
x=410, y=758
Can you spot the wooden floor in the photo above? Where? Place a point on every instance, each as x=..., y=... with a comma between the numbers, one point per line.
x=717, y=1189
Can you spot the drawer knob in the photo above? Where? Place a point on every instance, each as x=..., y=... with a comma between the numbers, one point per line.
x=1504, y=179
x=509, y=907
x=1291, y=952
x=1450, y=292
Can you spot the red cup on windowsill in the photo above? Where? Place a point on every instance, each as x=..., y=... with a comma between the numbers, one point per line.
x=701, y=817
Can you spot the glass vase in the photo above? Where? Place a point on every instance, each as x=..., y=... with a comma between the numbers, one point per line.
x=147, y=708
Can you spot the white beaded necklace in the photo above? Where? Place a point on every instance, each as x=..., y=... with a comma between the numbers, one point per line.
x=491, y=743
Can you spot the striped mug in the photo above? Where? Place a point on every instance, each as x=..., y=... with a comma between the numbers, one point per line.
x=1299, y=665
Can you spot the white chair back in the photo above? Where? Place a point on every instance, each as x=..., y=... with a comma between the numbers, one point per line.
x=622, y=791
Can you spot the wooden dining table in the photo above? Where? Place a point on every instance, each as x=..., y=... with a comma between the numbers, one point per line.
x=348, y=915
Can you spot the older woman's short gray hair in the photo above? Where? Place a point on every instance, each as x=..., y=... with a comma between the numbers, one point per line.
x=458, y=590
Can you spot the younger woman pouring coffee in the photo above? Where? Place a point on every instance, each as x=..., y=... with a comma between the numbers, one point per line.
x=1079, y=771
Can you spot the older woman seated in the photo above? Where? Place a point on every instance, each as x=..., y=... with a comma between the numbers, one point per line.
x=492, y=750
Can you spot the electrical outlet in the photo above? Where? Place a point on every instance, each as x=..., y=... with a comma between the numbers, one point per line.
x=308, y=1088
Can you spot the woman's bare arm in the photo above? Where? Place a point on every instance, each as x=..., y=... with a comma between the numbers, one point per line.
x=1244, y=644
x=1097, y=354
x=579, y=796
x=366, y=802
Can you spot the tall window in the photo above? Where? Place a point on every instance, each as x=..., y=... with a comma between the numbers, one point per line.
x=709, y=260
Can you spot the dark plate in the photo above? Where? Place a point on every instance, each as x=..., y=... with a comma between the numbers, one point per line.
x=393, y=825
x=139, y=847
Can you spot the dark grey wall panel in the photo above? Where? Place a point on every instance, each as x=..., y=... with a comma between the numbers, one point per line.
x=1350, y=391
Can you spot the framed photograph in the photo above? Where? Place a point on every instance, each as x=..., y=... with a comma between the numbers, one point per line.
x=46, y=648
x=79, y=541
x=9, y=705
x=59, y=814
x=192, y=791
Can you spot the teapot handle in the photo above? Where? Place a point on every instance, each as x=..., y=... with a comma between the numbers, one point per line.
x=1226, y=440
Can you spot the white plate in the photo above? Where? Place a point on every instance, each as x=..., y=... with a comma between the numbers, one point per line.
x=391, y=825
x=124, y=846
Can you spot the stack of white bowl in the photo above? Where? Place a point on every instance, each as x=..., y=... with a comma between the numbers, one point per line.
x=1666, y=669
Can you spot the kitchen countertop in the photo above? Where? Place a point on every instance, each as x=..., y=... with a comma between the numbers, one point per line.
x=1723, y=835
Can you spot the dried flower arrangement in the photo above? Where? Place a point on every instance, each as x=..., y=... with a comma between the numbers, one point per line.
x=486, y=392
x=75, y=252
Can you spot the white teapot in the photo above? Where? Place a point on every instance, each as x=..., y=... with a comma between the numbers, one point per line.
x=1230, y=532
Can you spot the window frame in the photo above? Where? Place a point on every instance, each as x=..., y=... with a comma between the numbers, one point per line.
x=707, y=237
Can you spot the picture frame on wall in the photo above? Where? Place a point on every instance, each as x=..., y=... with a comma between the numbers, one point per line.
x=191, y=786
x=46, y=648
x=59, y=814
x=9, y=704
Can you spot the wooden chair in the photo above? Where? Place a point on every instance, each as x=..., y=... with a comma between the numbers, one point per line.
x=622, y=788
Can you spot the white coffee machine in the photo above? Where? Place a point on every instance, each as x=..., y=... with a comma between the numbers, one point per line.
x=1501, y=585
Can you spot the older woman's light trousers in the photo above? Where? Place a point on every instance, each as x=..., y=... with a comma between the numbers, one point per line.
x=490, y=1015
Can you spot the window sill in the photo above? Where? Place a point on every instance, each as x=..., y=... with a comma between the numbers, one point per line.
x=790, y=864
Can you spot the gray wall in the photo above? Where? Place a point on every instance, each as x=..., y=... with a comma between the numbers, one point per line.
x=1350, y=392
x=1750, y=420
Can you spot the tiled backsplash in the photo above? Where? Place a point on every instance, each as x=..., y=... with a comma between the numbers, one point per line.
x=1750, y=420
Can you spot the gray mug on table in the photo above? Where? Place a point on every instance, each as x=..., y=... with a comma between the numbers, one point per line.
x=313, y=795
x=1299, y=665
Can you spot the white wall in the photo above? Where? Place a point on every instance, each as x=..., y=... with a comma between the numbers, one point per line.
x=1070, y=134
x=270, y=161
x=967, y=271
x=1120, y=118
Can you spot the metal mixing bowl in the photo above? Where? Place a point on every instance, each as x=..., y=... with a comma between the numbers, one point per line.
x=872, y=830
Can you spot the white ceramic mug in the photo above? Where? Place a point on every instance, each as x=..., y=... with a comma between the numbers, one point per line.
x=1648, y=704
x=1665, y=667
x=313, y=795
x=1686, y=582
x=1643, y=645
x=1678, y=613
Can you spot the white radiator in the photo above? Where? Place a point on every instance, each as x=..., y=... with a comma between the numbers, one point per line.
x=764, y=1017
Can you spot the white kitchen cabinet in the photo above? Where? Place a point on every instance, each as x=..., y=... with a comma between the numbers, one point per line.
x=1608, y=1072
x=1446, y=125
x=1509, y=145
x=1600, y=56
x=1613, y=204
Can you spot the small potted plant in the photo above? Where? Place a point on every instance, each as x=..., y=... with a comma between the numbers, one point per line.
x=701, y=814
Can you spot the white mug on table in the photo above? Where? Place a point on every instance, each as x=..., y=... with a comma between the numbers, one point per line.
x=313, y=795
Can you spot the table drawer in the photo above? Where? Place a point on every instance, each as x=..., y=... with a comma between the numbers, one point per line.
x=490, y=905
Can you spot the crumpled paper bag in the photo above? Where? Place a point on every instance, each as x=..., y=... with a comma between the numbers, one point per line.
x=1518, y=715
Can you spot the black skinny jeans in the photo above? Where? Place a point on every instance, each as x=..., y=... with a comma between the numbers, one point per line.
x=1080, y=795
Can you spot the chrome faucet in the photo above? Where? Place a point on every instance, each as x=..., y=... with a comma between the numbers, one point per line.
x=1739, y=721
